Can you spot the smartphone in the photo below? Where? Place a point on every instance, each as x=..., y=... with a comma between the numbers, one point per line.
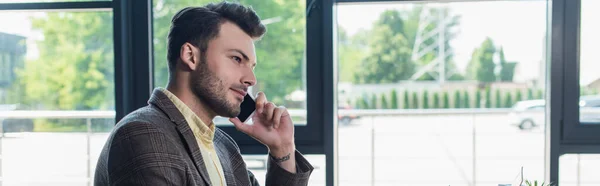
x=247, y=108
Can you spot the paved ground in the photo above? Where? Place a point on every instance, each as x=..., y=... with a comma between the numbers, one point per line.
x=408, y=150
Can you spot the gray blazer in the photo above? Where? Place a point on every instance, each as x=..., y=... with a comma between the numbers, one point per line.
x=155, y=146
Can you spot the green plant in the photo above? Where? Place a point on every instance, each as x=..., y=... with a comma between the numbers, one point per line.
x=508, y=101
x=394, y=99
x=498, y=99
x=405, y=104
x=384, y=102
x=477, y=99
x=436, y=100
x=466, y=100
x=415, y=101
x=457, y=100
x=425, y=102
x=373, y=103
x=445, y=100
x=536, y=183
x=488, y=98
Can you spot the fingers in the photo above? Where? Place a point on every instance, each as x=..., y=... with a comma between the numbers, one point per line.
x=277, y=113
x=247, y=129
x=261, y=100
x=268, y=111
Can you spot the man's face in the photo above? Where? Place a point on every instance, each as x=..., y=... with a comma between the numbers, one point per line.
x=227, y=70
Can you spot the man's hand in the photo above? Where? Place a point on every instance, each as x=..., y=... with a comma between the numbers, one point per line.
x=273, y=127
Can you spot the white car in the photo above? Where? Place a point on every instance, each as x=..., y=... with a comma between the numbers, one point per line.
x=529, y=114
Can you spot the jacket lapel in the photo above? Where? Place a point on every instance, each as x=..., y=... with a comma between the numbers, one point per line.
x=163, y=102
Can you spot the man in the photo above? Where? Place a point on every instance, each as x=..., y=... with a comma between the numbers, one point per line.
x=173, y=140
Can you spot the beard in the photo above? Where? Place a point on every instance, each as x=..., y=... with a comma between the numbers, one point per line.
x=211, y=90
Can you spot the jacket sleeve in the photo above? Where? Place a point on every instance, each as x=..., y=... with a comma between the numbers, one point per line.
x=140, y=154
x=276, y=175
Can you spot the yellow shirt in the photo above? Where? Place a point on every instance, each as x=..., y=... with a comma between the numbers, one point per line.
x=204, y=136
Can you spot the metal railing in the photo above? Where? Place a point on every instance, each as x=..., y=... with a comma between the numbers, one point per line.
x=89, y=115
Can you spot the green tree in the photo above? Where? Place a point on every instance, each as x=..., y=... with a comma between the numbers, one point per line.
x=466, y=100
x=477, y=99
x=508, y=101
x=415, y=101
x=351, y=52
x=425, y=103
x=394, y=100
x=498, y=99
x=75, y=68
x=507, y=70
x=446, y=101
x=406, y=104
x=488, y=98
x=288, y=21
x=384, y=102
x=481, y=67
x=519, y=96
x=457, y=100
x=389, y=59
x=436, y=100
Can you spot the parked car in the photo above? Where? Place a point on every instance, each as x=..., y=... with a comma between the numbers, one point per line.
x=530, y=113
x=346, y=119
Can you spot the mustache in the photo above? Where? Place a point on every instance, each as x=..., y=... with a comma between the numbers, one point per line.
x=240, y=87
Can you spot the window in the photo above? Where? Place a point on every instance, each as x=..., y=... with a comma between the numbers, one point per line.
x=427, y=91
x=60, y=105
x=280, y=62
x=589, y=60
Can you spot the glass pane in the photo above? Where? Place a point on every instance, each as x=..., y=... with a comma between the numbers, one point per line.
x=579, y=170
x=441, y=93
x=257, y=164
x=589, y=77
x=280, y=62
x=56, y=95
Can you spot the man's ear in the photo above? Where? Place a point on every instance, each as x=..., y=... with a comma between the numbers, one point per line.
x=189, y=56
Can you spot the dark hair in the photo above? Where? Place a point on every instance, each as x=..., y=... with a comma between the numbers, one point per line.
x=200, y=25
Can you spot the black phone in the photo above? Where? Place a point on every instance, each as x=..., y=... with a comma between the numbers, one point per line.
x=247, y=108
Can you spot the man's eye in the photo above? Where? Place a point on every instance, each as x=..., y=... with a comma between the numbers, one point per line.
x=238, y=59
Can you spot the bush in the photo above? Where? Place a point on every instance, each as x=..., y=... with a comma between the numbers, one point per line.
x=406, y=104
x=373, y=101
x=457, y=100
x=519, y=96
x=540, y=94
x=477, y=99
x=530, y=94
x=415, y=101
x=498, y=99
x=508, y=101
x=425, y=103
x=394, y=100
x=436, y=100
x=384, y=102
x=446, y=101
x=488, y=98
x=466, y=100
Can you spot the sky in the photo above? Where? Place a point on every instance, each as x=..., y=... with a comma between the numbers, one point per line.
x=518, y=26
